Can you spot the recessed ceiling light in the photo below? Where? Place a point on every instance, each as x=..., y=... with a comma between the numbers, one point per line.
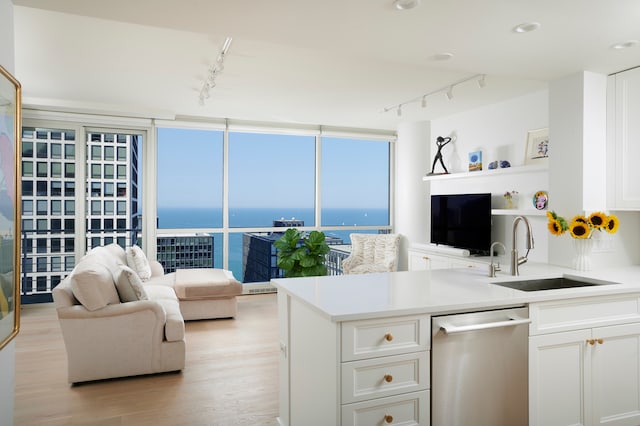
x=406, y=4
x=526, y=27
x=444, y=56
x=624, y=45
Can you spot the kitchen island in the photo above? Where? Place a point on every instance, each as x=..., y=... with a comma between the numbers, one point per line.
x=335, y=332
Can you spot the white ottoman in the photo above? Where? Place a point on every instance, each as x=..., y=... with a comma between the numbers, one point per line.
x=207, y=293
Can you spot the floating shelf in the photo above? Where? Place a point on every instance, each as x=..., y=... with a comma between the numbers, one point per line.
x=488, y=173
x=518, y=212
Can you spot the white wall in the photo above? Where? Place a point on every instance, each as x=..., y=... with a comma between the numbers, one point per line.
x=7, y=354
x=500, y=131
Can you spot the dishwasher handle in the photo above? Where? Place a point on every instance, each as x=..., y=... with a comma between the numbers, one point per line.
x=452, y=329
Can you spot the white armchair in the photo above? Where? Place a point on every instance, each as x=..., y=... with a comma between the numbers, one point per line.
x=372, y=253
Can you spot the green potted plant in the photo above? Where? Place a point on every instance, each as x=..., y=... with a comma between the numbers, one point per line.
x=301, y=254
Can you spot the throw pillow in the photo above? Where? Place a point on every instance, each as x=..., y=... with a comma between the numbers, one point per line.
x=137, y=261
x=129, y=285
x=93, y=286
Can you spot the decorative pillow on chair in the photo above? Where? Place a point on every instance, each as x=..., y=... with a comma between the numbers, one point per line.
x=129, y=285
x=137, y=261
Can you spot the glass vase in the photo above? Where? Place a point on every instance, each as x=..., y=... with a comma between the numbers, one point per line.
x=582, y=248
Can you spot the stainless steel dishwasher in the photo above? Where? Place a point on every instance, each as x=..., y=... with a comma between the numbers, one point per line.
x=479, y=368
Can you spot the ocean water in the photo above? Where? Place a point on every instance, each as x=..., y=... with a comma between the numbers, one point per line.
x=185, y=218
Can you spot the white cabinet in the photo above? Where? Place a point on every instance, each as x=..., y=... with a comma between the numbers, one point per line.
x=587, y=374
x=352, y=373
x=624, y=134
x=420, y=259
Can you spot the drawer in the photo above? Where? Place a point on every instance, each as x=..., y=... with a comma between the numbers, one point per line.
x=386, y=376
x=381, y=337
x=407, y=410
x=573, y=314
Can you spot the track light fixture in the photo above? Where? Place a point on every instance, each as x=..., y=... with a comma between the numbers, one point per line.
x=448, y=91
x=214, y=71
x=481, y=81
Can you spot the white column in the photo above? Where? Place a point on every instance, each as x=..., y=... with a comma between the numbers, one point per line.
x=412, y=207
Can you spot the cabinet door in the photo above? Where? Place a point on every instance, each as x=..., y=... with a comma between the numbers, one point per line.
x=616, y=375
x=558, y=378
x=627, y=134
x=417, y=261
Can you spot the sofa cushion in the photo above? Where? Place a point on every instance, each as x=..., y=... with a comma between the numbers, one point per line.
x=129, y=285
x=137, y=261
x=116, y=250
x=93, y=286
x=166, y=297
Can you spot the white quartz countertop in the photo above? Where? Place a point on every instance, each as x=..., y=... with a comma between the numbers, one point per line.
x=441, y=291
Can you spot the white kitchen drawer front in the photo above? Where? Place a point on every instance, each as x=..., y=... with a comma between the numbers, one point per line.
x=407, y=410
x=574, y=314
x=381, y=337
x=386, y=376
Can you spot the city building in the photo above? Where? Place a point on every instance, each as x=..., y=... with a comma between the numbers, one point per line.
x=185, y=251
x=259, y=256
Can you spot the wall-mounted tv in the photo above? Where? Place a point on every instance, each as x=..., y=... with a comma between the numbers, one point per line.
x=462, y=221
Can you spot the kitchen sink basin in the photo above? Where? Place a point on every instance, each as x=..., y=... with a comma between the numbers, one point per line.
x=548, y=284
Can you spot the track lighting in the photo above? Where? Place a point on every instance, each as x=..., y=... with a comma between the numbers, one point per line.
x=448, y=91
x=214, y=71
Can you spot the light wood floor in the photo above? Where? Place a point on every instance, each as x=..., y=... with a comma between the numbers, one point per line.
x=231, y=376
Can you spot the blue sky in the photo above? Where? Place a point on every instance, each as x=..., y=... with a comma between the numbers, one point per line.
x=267, y=170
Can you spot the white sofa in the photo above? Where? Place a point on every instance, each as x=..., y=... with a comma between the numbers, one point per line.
x=106, y=337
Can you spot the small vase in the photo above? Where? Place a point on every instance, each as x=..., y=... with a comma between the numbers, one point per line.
x=582, y=253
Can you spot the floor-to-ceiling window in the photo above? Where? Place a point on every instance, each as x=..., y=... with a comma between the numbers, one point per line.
x=189, y=198
x=81, y=187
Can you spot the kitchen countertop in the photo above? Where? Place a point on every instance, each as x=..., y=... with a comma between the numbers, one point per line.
x=441, y=291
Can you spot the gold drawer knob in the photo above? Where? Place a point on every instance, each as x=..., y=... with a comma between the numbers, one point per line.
x=388, y=378
x=591, y=341
x=388, y=337
x=388, y=418
x=599, y=341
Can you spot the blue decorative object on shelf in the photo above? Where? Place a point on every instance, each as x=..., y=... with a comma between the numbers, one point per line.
x=493, y=165
x=504, y=164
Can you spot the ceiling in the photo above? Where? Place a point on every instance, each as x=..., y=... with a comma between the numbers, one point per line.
x=322, y=62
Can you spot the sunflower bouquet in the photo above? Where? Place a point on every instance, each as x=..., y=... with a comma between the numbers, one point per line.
x=582, y=227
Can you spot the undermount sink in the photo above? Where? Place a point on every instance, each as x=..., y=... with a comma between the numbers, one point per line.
x=548, y=284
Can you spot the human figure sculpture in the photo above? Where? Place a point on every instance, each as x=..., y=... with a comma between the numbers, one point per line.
x=440, y=141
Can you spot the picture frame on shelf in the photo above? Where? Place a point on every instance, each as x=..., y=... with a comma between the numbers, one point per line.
x=10, y=128
x=475, y=161
x=537, y=149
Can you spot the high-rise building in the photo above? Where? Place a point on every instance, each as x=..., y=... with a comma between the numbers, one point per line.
x=185, y=251
x=259, y=255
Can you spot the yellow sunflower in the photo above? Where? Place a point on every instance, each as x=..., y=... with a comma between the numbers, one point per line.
x=580, y=218
x=555, y=227
x=598, y=220
x=611, y=224
x=579, y=229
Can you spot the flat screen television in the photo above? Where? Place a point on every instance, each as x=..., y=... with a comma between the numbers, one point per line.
x=462, y=221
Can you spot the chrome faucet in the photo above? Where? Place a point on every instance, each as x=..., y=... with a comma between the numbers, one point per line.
x=495, y=268
x=515, y=260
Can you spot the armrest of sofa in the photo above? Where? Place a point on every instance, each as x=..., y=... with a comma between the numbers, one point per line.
x=157, y=270
x=80, y=312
